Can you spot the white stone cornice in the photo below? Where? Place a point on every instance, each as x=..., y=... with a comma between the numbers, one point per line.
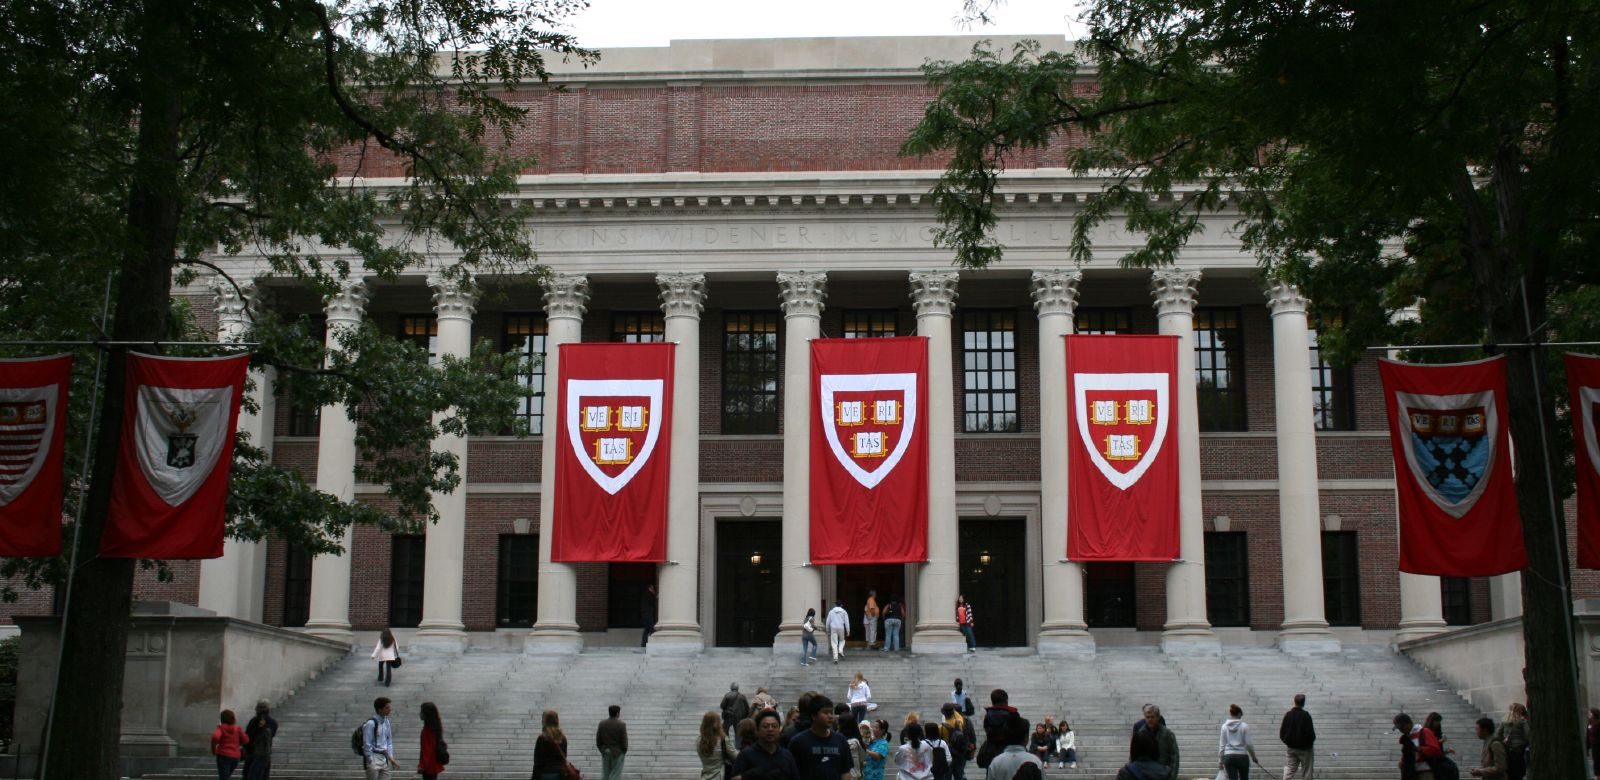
x=802, y=293
x=682, y=295
x=566, y=296
x=1174, y=290
x=933, y=293
x=1055, y=291
x=349, y=304
x=1284, y=298
x=454, y=297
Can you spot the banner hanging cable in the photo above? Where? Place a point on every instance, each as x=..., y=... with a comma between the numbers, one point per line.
x=107, y=343
x=1488, y=348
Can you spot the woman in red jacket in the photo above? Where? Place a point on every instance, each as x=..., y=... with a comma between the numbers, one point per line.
x=227, y=743
x=429, y=766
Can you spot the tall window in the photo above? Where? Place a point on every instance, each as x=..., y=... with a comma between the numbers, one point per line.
x=1219, y=370
x=1456, y=593
x=638, y=327
x=750, y=372
x=406, y=565
x=518, y=581
x=1102, y=322
x=1332, y=397
x=625, y=593
x=305, y=417
x=869, y=323
x=989, y=370
x=1227, y=579
x=1341, y=578
x=296, y=587
x=525, y=336
x=421, y=330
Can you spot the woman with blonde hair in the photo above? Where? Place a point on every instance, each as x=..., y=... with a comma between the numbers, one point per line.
x=713, y=747
x=1514, y=732
x=550, y=749
x=858, y=697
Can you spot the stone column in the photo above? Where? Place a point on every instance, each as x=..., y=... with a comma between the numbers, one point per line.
x=1055, y=298
x=1305, y=625
x=454, y=303
x=1187, y=629
x=1505, y=596
x=1421, y=602
x=802, y=294
x=933, y=293
x=234, y=585
x=336, y=475
x=556, y=631
x=678, y=627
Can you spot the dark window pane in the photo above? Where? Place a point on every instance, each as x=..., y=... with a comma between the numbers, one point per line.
x=1457, y=595
x=869, y=323
x=421, y=330
x=638, y=327
x=1219, y=370
x=989, y=373
x=525, y=335
x=750, y=372
x=406, y=565
x=1227, y=579
x=1102, y=322
x=518, y=581
x=625, y=594
x=1332, y=396
x=296, y=587
x=1341, y=578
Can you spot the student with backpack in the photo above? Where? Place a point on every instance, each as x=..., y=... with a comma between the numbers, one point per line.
x=959, y=735
x=374, y=741
x=940, y=766
x=914, y=758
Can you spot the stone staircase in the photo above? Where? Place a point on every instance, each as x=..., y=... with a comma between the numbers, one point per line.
x=491, y=702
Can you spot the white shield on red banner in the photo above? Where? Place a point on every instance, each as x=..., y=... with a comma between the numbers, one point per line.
x=1450, y=443
x=870, y=420
x=181, y=433
x=1122, y=420
x=27, y=425
x=1591, y=441
x=613, y=426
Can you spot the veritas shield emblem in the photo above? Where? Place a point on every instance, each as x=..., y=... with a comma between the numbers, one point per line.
x=870, y=420
x=181, y=433
x=1590, y=396
x=613, y=425
x=1122, y=420
x=27, y=425
x=1449, y=442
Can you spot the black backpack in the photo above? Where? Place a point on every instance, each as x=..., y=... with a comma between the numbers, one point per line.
x=959, y=746
x=941, y=763
x=966, y=706
x=1028, y=771
x=441, y=751
x=891, y=611
x=358, y=740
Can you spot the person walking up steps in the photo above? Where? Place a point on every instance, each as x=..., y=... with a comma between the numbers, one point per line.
x=808, y=638
x=1235, y=751
x=914, y=758
x=735, y=707
x=838, y=629
x=387, y=651
x=820, y=752
x=550, y=749
x=859, y=697
x=611, y=739
x=869, y=619
x=716, y=757
x=1298, y=736
x=258, y=757
x=893, y=614
x=227, y=744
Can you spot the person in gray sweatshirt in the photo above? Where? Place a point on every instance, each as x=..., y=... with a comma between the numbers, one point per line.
x=1235, y=751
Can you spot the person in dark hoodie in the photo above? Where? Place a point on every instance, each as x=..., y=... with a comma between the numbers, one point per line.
x=1166, y=741
x=800, y=724
x=1144, y=754
x=1298, y=736
x=995, y=717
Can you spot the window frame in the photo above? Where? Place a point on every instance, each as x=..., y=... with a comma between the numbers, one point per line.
x=1333, y=398
x=1341, y=578
x=535, y=344
x=762, y=389
x=639, y=327
x=1237, y=545
x=870, y=323
x=406, y=587
x=1102, y=321
x=978, y=357
x=1229, y=398
x=510, y=581
x=407, y=330
x=296, y=586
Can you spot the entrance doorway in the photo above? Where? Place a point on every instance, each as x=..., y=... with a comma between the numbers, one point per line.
x=851, y=584
x=1109, y=595
x=994, y=579
x=749, y=582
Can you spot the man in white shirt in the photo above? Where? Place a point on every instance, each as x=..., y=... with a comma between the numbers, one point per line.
x=838, y=628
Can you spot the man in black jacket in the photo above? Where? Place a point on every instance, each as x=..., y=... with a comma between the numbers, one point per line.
x=1298, y=735
x=995, y=717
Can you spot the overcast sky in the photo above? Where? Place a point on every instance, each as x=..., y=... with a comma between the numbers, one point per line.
x=616, y=23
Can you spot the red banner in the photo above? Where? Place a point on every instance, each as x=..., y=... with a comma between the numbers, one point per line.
x=1452, y=468
x=1122, y=448
x=33, y=431
x=613, y=437
x=1583, y=383
x=869, y=450
x=170, y=493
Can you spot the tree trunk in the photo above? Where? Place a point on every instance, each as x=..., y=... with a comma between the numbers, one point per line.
x=1550, y=656
x=86, y=721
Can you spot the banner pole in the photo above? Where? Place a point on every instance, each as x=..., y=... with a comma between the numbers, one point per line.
x=77, y=531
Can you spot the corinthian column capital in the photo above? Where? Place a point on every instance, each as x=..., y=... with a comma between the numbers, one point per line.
x=933, y=293
x=566, y=296
x=1174, y=290
x=1055, y=291
x=349, y=304
x=236, y=305
x=454, y=297
x=802, y=293
x=1285, y=298
x=682, y=295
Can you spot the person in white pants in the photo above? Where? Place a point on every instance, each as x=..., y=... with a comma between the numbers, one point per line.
x=838, y=629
